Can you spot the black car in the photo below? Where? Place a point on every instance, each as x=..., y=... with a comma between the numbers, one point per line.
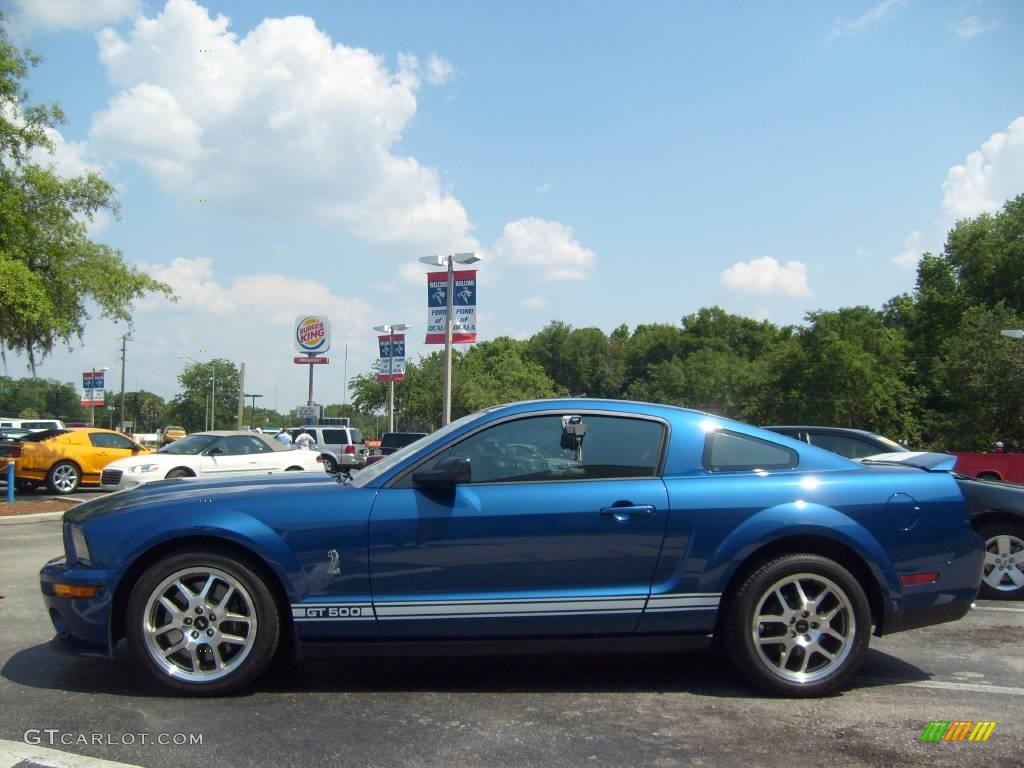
x=851, y=443
x=392, y=441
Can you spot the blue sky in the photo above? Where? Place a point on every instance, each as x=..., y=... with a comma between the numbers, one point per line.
x=612, y=163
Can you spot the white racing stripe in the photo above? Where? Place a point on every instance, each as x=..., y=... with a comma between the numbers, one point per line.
x=505, y=607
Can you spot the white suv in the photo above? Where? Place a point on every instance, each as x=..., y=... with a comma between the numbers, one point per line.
x=342, y=447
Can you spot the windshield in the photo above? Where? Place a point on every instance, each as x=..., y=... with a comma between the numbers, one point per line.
x=366, y=476
x=191, y=445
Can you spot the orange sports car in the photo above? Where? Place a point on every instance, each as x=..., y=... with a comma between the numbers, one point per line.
x=66, y=458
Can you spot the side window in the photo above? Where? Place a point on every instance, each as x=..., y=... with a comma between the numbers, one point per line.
x=237, y=445
x=334, y=437
x=357, y=436
x=726, y=451
x=532, y=449
x=104, y=440
x=256, y=445
x=850, y=447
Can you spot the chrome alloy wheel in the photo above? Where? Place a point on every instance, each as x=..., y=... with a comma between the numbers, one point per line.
x=199, y=624
x=65, y=478
x=1004, y=563
x=804, y=628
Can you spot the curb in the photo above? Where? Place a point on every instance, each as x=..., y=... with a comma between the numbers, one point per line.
x=38, y=517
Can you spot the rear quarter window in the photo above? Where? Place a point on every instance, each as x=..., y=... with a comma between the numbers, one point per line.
x=726, y=451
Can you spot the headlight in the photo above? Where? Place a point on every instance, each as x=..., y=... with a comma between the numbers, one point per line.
x=79, y=546
x=142, y=468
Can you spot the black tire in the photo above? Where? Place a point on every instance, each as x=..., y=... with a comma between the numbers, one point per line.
x=64, y=477
x=776, y=667
x=990, y=477
x=25, y=486
x=178, y=473
x=294, y=469
x=1002, y=567
x=177, y=672
x=330, y=465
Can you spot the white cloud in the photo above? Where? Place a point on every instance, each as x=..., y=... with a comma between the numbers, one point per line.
x=71, y=14
x=842, y=28
x=544, y=188
x=988, y=177
x=547, y=246
x=439, y=70
x=911, y=253
x=766, y=276
x=971, y=26
x=282, y=121
x=535, y=302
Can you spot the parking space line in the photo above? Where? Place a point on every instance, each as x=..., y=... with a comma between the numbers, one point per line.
x=16, y=753
x=994, y=608
x=946, y=686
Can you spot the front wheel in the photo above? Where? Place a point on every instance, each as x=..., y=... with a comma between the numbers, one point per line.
x=798, y=626
x=1002, y=576
x=202, y=623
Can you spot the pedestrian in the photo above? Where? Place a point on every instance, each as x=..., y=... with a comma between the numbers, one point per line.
x=284, y=438
x=305, y=441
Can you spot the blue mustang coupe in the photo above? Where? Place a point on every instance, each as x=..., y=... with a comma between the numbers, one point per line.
x=577, y=524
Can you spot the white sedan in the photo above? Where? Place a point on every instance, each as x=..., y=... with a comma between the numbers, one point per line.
x=210, y=454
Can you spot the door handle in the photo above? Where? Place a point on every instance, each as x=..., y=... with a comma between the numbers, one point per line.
x=624, y=512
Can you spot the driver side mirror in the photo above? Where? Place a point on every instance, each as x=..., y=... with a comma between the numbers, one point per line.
x=447, y=473
x=215, y=452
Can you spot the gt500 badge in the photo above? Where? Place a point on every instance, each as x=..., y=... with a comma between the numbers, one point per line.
x=332, y=612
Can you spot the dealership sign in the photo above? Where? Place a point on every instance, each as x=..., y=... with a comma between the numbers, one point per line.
x=92, y=388
x=312, y=334
x=463, y=306
x=392, y=357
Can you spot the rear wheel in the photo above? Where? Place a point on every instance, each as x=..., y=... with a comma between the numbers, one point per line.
x=798, y=626
x=330, y=465
x=1002, y=577
x=202, y=623
x=63, y=477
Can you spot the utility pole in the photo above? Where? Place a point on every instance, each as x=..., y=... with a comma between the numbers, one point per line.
x=241, y=396
x=124, y=344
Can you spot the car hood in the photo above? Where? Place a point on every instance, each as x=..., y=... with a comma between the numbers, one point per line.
x=186, y=490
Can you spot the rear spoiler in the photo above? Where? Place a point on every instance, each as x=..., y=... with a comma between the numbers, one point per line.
x=932, y=462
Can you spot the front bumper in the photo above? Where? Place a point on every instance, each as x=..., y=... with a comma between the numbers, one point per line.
x=82, y=624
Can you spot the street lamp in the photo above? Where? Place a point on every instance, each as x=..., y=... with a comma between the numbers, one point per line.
x=213, y=391
x=92, y=395
x=252, y=420
x=391, y=330
x=449, y=261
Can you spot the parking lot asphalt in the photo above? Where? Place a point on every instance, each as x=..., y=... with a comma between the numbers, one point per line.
x=686, y=709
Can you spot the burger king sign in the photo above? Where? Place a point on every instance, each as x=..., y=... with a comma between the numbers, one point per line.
x=312, y=334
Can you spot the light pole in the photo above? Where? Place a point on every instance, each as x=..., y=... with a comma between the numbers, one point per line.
x=252, y=420
x=92, y=397
x=450, y=261
x=391, y=330
x=213, y=391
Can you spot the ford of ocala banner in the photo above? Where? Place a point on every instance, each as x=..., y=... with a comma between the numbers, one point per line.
x=464, y=306
x=392, y=357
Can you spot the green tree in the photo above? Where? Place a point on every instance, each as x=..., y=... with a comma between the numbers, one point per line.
x=45, y=398
x=50, y=270
x=191, y=407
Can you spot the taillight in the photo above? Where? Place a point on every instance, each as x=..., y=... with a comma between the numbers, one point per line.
x=14, y=452
x=350, y=449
